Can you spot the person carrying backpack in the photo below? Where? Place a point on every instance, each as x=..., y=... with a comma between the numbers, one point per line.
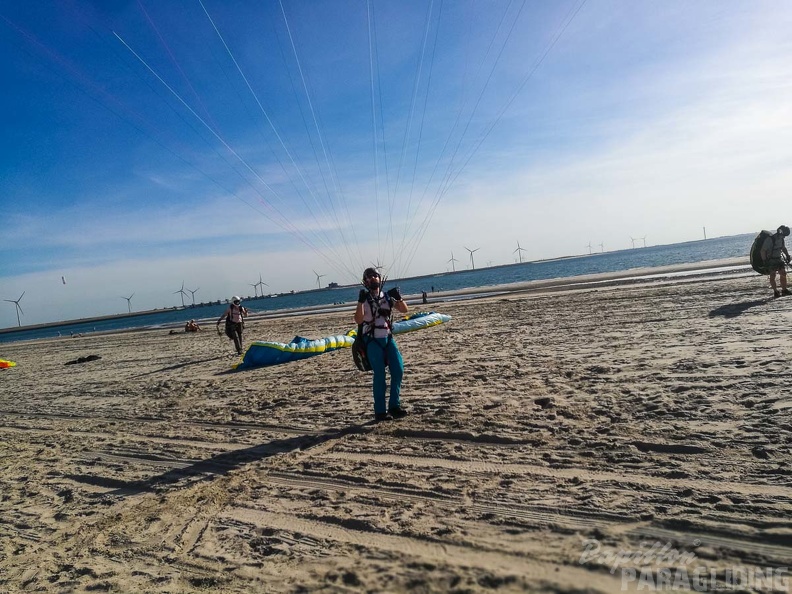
x=374, y=313
x=775, y=257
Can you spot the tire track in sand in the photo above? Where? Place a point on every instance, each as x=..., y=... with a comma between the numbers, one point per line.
x=543, y=516
x=441, y=553
x=635, y=478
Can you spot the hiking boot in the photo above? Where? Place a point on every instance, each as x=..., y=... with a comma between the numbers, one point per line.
x=776, y=294
x=379, y=417
x=398, y=412
x=786, y=292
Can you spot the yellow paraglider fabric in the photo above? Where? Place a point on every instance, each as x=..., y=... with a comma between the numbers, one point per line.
x=266, y=353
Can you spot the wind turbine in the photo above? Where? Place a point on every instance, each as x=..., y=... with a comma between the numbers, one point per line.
x=193, y=292
x=588, y=245
x=633, y=242
x=318, y=277
x=519, y=251
x=644, y=240
x=182, y=292
x=472, y=263
x=18, y=307
x=602, y=247
x=261, y=284
x=129, y=301
x=255, y=290
x=452, y=260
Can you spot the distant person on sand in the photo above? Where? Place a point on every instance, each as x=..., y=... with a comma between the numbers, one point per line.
x=375, y=311
x=772, y=251
x=192, y=326
x=235, y=322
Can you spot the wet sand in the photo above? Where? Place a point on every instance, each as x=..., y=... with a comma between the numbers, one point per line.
x=542, y=424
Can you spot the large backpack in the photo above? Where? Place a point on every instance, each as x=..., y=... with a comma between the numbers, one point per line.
x=359, y=355
x=756, y=253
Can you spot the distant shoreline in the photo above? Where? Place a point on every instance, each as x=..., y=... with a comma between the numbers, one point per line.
x=291, y=311
x=562, y=283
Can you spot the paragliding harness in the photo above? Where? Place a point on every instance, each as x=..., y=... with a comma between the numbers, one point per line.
x=757, y=263
x=230, y=325
x=362, y=340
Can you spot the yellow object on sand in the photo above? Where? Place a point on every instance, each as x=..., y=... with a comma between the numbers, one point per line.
x=5, y=364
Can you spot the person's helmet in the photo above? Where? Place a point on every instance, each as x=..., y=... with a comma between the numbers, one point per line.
x=784, y=230
x=368, y=274
x=236, y=300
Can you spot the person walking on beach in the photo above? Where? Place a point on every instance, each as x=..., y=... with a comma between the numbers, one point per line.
x=374, y=312
x=235, y=322
x=772, y=251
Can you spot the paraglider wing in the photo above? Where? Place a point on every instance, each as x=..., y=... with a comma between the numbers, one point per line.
x=419, y=321
x=265, y=353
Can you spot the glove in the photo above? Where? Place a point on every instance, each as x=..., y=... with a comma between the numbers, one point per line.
x=362, y=296
x=394, y=294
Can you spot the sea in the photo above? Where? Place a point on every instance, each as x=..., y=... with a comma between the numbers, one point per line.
x=616, y=261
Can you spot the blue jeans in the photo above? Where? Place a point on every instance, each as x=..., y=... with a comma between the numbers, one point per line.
x=377, y=349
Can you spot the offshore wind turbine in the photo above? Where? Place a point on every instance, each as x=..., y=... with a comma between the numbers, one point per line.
x=519, y=251
x=318, y=277
x=633, y=241
x=644, y=240
x=452, y=260
x=193, y=292
x=472, y=263
x=602, y=247
x=182, y=292
x=261, y=284
x=18, y=307
x=129, y=301
x=255, y=289
x=588, y=245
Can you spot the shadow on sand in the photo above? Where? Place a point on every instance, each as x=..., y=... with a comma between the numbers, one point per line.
x=733, y=310
x=218, y=465
x=177, y=366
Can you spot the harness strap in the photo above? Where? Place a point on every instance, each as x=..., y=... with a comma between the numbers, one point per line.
x=375, y=313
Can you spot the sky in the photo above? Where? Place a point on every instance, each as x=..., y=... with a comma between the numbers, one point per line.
x=148, y=145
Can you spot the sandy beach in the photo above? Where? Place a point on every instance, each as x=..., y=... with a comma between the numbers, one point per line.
x=554, y=438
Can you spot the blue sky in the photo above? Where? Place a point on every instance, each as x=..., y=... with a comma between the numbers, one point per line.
x=146, y=144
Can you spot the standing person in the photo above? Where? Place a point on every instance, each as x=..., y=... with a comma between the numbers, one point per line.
x=235, y=322
x=375, y=311
x=772, y=251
